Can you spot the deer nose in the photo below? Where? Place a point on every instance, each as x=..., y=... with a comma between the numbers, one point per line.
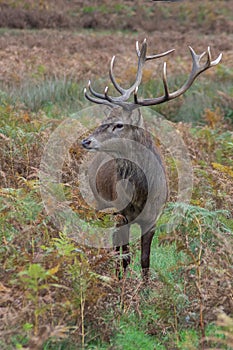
x=86, y=142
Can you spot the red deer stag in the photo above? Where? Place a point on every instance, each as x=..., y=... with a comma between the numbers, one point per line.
x=137, y=192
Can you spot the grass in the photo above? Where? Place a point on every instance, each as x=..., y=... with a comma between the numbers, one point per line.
x=51, y=95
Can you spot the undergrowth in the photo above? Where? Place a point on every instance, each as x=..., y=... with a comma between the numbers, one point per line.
x=206, y=15
x=57, y=294
x=52, y=95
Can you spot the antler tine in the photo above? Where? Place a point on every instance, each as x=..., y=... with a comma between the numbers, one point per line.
x=108, y=98
x=208, y=56
x=141, y=60
x=113, y=80
x=151, y=57
x=93, y=92
x=137, y=48
x=166, y=92
x=196, y=59
x=136, y=95
x=216, y=61
x=143, y=50
x=197, y=67
x=96, y=100
x=90, y=98
x=159, y=55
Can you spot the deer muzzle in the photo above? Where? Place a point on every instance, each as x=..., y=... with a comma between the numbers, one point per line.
x=91, y=143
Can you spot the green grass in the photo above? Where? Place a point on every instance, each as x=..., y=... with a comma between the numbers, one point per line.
x=53, y=96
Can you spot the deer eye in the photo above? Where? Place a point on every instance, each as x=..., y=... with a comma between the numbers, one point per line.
x=118, y=126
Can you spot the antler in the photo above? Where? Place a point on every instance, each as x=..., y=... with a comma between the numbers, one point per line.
x=125, y=93
x=197, y=69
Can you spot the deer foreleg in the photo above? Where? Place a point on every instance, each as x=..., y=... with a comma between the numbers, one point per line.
x=121, y=239
x=146, y=240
